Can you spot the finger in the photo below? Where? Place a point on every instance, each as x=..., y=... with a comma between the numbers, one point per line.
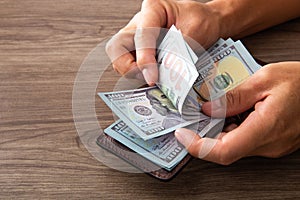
x=239, y=99
x=152, y=15
x=197, y=146
x=230, y=147
x=230, y=127
x=124, y=64
x=120, y=48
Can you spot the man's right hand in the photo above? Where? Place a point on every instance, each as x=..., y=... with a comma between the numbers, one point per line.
x=133, y=49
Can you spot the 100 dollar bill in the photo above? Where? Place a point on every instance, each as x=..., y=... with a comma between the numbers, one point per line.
x=225, y=70
x=177, y=72
x=147, y=111
x=165, y=150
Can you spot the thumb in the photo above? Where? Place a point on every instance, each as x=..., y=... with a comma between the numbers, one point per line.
x=145, y=43
x=152, y=18
x=195, y=145
x=237, y=100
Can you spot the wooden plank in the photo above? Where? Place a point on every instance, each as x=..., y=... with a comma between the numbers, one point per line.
x=42, y=45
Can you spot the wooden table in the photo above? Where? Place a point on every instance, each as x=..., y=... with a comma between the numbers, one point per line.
x=42, y=45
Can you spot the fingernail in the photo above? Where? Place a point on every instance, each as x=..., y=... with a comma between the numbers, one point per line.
x=148, y=76
x=184, y=137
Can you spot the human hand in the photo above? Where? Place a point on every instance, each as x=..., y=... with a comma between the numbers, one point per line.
x=271, y=130
x=132, y=51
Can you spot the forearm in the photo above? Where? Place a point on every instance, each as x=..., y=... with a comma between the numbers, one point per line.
x=239, y=18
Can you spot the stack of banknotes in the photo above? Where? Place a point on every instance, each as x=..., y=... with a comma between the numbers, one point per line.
x=149, y=116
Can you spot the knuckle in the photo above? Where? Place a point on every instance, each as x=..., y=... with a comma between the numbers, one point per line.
x=142, y=61
x=262, y=76
x=109, y=46
x=116, y=68
x=233, y=97
x=278, y=153
x=230, y=98
x=225, y=156
x=225, y=160
x=123, y=65
x=150, y=2
x=113, y=44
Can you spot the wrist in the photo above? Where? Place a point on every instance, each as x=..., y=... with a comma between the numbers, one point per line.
x=223, y=12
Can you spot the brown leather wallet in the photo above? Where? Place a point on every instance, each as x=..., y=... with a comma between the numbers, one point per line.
x=145, y=165
x=112, y=145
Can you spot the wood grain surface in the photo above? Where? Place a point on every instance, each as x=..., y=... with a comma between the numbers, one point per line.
x=42, y=46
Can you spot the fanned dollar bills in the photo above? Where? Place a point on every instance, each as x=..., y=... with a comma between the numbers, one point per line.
x=177, y=72
x=165, y=150
x=149, y=116
x=147, y=111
